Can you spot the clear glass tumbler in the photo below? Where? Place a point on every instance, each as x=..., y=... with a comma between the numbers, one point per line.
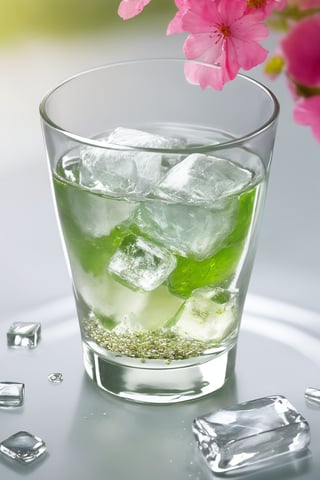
x=159, y=187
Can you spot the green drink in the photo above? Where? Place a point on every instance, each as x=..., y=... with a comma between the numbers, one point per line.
x=156, y=270
x=159, y=188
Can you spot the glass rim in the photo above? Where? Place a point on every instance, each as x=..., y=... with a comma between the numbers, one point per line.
x=203, y=148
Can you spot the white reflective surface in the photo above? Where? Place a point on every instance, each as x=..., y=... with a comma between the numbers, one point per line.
x=92, y=434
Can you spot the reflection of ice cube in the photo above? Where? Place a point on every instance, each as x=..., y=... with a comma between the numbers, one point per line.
x=187, y=230
x=202, y=180
x=119, y=172
x=208, y=314
x=140, y=264
x=250, y=432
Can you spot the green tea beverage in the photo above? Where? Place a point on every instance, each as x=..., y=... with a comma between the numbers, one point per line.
x=159, y=187
x=158, y=243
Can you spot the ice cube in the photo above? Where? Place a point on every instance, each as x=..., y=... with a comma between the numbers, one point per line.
x=139, y=138
x=208, y=314
x=189, y=231
x=55, y=377
x=94, y=215
x=124, y=172
x=23, y=334
x=203, y=180
x=250, y=432
x=11, y=394
x=140, y=264
x=23, y=447
x=108, y=171
x=312, y=394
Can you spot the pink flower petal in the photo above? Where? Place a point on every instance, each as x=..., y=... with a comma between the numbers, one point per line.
x=301, y=49
x=307, y=112
x=248, y=28
x=231, y=10
x=175, y=25
x=251, y=55
x=194, y=23
x=195, y=46
x=205, y=76
x=130, y=8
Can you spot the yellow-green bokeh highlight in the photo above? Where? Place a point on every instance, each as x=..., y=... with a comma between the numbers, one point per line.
x=34, y=18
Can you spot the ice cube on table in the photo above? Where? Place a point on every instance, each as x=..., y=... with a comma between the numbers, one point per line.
x=140, y=264
x=24, y=334
x=124, y=172
x=189, y=231
x=250, y=432
x=203, y=180
x=312, y=394
x=209, y=314
x=55, y=377
x=23, y=447
x=11, y=394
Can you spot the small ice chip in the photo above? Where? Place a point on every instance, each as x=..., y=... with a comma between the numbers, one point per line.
x=11, y=394
x=203, y=180
x=23, y=447
x=140, y=264
x=250, y=433
x=55, y=377
x=24, y=334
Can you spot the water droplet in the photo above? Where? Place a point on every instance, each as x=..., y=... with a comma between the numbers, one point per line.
x=56, y=377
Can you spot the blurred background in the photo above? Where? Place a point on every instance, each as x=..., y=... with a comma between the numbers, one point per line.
x=44, y=41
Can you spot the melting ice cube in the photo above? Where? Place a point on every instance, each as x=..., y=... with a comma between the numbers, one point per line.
x=208, y=314
x=11, y=394
x=23, y=447
x=203, y=180
x=250, y=432
x=140, y=264
x=187, y=230
x=119, y=172
x=23, y=334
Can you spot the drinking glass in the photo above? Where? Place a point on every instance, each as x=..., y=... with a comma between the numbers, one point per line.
x=159, y=187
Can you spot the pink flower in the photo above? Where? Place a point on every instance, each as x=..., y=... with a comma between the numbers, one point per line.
x=266, y=7
x=307, y=112
x=130, y=8
x=221, y=32
x=301, y=50
x=175, y=26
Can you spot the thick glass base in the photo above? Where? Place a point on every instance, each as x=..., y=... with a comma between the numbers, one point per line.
x=149, y=383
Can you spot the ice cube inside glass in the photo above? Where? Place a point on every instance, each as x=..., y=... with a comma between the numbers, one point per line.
x=247, y=434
